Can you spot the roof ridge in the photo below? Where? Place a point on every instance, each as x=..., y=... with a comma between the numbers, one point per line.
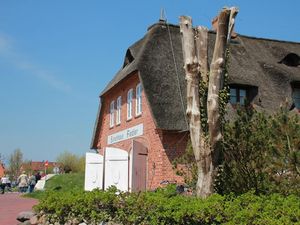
x=268, y=39
x=242, y=35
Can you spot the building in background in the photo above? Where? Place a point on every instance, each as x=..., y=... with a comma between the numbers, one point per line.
x=141, y=126
x=39, y=166
x=2, y=169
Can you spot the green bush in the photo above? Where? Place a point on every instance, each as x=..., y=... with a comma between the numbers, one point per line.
x=164, y=206
x=261, y=153
x=71, y=162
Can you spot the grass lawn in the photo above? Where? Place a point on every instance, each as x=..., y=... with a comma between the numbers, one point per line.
x=60, y=183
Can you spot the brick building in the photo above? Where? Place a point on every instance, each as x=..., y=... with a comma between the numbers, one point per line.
x=37, y=166
x=142, y=110
x=2, y=169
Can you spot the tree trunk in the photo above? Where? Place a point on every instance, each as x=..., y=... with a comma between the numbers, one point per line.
x=191, y=67
x=226, y=21
x=216, y=80
x=204, y=181
x=196, y=65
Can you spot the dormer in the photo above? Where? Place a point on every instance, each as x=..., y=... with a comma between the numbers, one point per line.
x=128, y=58
x=291, y=59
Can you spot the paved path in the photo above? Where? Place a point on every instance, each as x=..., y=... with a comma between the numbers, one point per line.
x=11, y=204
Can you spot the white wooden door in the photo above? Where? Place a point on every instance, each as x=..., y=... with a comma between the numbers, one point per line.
x=116, y=168
x=93, y=171
x=138, y=161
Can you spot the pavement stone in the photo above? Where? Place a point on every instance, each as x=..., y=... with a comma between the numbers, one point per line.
x=11, y=205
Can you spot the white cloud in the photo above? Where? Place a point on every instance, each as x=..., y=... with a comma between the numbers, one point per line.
x=3, y=43
x=44, y=75
x=20, y=62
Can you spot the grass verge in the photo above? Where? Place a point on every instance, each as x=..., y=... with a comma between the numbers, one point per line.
x=60, y=183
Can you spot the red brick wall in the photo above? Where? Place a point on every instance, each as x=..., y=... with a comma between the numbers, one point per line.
x=162, y=146
x=1, y=170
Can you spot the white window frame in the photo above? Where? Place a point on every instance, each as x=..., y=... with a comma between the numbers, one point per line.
x=129, y=104
x=112, y=114
x=118, y=112
x=138, y=100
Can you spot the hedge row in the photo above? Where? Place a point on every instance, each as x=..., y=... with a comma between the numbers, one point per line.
x=166, y=207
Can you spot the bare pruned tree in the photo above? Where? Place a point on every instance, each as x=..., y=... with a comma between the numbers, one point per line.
x=194, y=45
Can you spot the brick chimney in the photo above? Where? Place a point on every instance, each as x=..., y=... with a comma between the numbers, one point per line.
x=214, y=23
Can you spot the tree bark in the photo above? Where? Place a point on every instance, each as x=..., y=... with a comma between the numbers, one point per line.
x=195, y=57
x=233, y=12
x=204, y=163
x=202, y=52
x=191, y=67
x=216, y=78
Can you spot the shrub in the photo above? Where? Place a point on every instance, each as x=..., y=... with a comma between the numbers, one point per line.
x=262, y=153
x=259, y=152
x=164, y=206
x=71, y=162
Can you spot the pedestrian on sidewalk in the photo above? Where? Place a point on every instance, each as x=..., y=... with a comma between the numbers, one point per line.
x=37, y=176
x=23, y=182
x=4, y=182
x=32, y=183
x=8, y=184
x=1, y=186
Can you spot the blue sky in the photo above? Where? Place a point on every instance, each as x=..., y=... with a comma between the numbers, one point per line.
x=56, y=56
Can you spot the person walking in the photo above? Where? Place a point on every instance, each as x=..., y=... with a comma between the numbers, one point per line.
x=32, y=183
x=1, y=186
x=37, y=176
x=23, y=182
x=4, y=183
x=8, y=184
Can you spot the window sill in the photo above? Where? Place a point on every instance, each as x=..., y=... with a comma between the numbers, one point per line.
x=138, y=115
x=239, y=106
x=129, y=119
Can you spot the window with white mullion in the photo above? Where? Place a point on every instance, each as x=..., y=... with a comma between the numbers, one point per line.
x=118, y=112
x=129, y=104
x=138, y=107
x=112, y=114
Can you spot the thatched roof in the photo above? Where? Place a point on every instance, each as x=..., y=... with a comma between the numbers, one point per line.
x=256, y=62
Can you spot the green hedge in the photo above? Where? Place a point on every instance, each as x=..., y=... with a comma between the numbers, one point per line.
x=165, y=207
